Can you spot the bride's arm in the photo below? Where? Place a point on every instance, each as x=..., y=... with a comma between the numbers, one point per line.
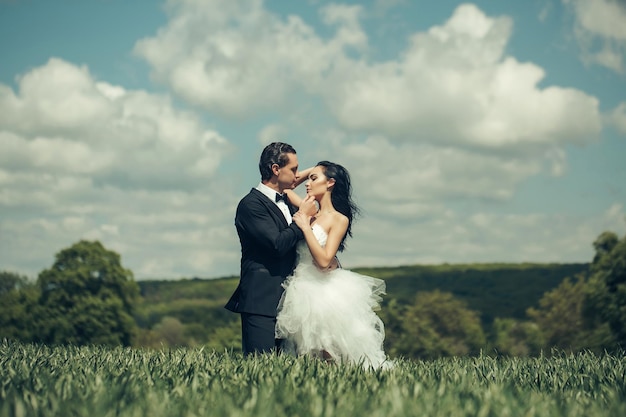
x=324, y=257
x=294, y=198
x=303, y=176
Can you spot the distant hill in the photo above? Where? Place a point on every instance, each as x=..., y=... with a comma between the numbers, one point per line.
x=157, y=291
x=493, y=290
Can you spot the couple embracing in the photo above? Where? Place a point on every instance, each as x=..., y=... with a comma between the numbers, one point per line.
x=293, y=296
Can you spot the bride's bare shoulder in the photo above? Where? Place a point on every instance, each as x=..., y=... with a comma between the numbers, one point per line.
x=340, y=220
x=340, y=217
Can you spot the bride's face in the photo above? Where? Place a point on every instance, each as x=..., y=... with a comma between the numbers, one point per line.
x=317, y=184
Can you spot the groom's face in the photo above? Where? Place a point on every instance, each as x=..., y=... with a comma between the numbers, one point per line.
x=287, y=174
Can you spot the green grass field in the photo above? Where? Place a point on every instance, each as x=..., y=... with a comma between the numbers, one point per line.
x=98, y=382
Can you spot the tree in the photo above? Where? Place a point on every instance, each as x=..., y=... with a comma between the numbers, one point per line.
x=516, y=338
x=607, y=295
x=603, y=245
x=87, y=297
x=10, y=281
x=436, y=324
x=18, y=298
x=227, y=337
x=171, y=332
x=562, y=322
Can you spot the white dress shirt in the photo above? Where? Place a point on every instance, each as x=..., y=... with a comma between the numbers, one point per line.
x=271, y=194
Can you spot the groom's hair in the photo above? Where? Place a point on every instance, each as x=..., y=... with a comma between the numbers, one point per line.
x=274, y=153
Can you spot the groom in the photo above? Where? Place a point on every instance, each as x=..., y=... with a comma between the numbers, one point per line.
x=268, y=247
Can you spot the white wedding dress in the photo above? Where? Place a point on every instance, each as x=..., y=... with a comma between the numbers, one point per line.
x=332, y=312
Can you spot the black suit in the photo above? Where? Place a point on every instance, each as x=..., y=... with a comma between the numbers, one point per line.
x=268, y=256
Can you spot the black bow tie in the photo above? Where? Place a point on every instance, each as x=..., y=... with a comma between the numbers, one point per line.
x=281, y=197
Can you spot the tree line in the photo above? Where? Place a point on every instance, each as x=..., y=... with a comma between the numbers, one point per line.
x=88, y=297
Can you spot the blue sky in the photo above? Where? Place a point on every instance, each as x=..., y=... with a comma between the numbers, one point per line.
x=491, y=131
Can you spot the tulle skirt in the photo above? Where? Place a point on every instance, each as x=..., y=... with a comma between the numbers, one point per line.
x=332, y=314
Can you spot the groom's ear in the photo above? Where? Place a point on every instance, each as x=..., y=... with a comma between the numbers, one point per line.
x=275, y=169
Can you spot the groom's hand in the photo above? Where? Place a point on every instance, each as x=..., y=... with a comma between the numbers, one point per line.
x=301, y=220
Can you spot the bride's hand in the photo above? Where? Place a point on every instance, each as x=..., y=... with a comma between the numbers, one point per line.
x=308, y=206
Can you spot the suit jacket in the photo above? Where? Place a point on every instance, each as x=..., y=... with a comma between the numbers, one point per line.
x=268, y=254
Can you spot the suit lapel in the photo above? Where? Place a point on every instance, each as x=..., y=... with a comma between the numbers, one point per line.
x=271, y=206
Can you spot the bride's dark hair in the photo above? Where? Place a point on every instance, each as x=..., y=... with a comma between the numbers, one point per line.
x=341, y=195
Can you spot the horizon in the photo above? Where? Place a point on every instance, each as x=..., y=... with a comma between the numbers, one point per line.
x=495, y=265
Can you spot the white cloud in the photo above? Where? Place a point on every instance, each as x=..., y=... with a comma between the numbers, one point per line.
x=382, y=6
x=55, y=97
x=83, y=159
x=459, y=237
x=235, y=57
x=455, y=86
x=601, y=17
x=272, y=133
x=63, y=121
x=428, y=204
x=160, y=234
x=601, y=32
x=618, y=117
x=349, y=32
x=545, y=11
x=411, y=173
x=452, y=117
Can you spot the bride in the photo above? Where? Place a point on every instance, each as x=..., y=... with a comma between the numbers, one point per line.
x=327, y=311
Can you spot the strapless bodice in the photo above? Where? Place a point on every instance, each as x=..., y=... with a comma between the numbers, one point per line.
x=320, y=235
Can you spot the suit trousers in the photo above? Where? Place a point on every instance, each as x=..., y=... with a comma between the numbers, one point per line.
x=257, y=333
